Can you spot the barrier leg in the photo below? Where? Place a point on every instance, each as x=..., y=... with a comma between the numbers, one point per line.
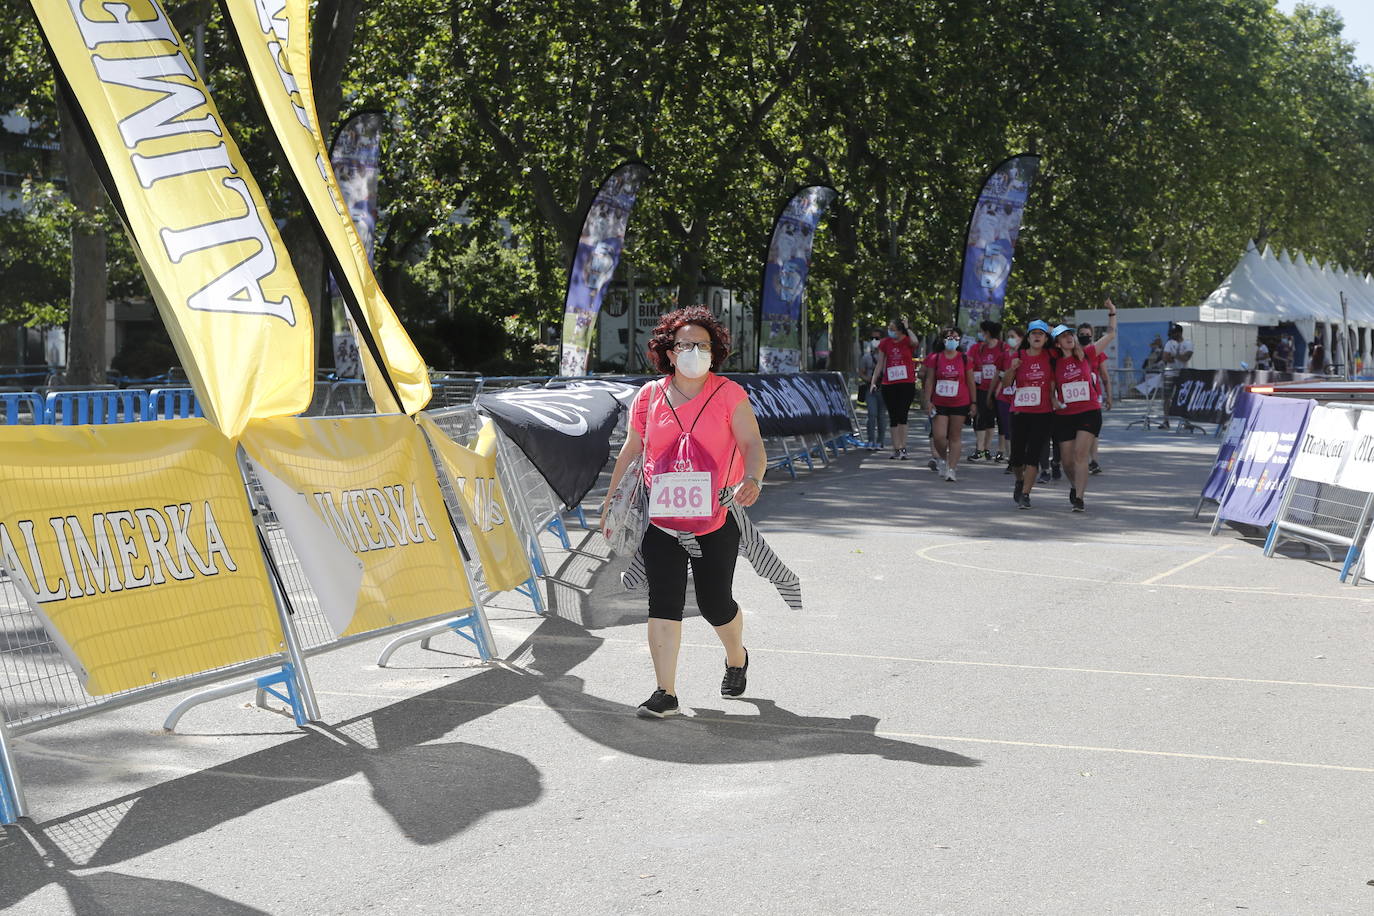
x=582, y=519
x=469, y=627
x=557, y=527
x=1272, y=541
x=12, y=804
x=265, y=685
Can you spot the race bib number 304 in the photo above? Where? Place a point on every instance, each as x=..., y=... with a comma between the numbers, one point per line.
x=897, y=374
x=683, y=494
x=1075, y=392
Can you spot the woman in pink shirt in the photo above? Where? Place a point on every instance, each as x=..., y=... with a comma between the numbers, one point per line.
x=1078, y=410
x=1031, y=370
x=699, y=436
x=895, y=376
x=947, y=382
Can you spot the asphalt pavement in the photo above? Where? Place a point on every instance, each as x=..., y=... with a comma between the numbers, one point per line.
x=980, y=711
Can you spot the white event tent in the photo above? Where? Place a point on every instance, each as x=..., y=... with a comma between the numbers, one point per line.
x=1264, y=290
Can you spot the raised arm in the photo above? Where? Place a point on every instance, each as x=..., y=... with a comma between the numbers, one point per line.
x=1107, y=338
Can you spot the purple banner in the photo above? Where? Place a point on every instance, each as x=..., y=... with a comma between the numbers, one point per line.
x=1226, y=455
x=781, y=328
x=1252, y=493
x=598, y=253
x=991, y=245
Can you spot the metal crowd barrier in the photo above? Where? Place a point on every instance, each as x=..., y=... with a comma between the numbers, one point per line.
x=1323, y=516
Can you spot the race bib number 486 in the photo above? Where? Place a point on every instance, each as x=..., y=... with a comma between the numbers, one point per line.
x=683, y=494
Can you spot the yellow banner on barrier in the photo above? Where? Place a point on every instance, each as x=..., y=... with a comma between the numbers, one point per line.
x=213, y=258
x=372, y=482
x=136, y=548
x=275, y=37
x=472, y=472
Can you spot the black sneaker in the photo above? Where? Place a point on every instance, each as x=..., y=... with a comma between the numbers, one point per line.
x=1078, y=505
x=659, y=706
x=1094, y=467
x=1043, y=478
x=931, y=464
x=1020, y=489
x=1056, y=472
x=1024, y=501
x=999, y=458
x=732, y=685
x=1073, y=495
x=1008, y=470
x=904, y=456
x=975, y=456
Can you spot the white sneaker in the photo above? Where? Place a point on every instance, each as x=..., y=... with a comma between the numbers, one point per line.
x=941, y=468
x=949, y=475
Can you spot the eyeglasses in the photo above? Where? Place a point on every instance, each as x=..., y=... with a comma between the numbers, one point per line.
x=684, y=346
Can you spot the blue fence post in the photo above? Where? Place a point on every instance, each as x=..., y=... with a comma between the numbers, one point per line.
x=11, y=793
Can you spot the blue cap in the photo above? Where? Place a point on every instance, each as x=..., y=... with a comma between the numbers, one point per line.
x=1037, y=325
x=1060, y=329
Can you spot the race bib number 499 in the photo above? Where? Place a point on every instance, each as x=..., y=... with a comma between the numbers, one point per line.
x=1027, y=397
x=683, y=494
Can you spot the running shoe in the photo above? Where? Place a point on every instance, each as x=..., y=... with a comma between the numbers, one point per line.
x=1073, y=495
x=1024, y=501
x=949, y=476
x=1094, y=467
x=973, y=455
x=1078, y=505
x=732, y=685
x=896, y=453
x=663, y=704
x=1007, y=469
x=904, y=455
x=999, y=457
x=1056, y=471
x=1043, y=478
x=931, y=464
x=941, y=468
x=1018, y=491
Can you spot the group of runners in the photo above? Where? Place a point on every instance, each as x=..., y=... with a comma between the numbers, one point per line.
x=1041, y=391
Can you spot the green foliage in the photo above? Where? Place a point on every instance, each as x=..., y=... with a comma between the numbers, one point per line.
x=1171, y=134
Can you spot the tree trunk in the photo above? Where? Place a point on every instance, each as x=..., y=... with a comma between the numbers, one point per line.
x=689, y=263
x=844, y=229
x=86, y=317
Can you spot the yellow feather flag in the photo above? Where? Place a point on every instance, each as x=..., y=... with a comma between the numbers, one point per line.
x=217, y=267
x=275, y=37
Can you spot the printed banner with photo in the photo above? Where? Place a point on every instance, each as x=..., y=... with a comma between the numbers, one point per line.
x=781, y=324
x=991, y=244
x=356, y=156
x=135, y=547
x=598, y=253
x=371, y=480
x=1226, y=455
x=472, y=473
x=1253, y=493
x=218, y=270
x=1209, y=395
x=274, y=36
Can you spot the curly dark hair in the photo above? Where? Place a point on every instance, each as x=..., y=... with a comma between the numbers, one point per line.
x=665, y=335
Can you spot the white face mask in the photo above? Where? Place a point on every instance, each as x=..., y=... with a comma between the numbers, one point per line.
x=693, y=363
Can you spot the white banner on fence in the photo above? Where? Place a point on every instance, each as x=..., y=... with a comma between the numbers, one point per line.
x=1358, y=472
x=1328, y=438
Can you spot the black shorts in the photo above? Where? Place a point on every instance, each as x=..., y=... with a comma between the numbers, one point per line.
x=987, y=410
x=1068, y=425
x=898, y=397
x=1030, y=433
x=960, y=411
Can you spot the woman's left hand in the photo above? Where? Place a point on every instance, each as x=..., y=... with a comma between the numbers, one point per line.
x=747, y=493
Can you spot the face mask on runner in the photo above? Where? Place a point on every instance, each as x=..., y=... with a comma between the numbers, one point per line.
x=1085, y=339
x=951, y=344
x=894, y=334
x=1013, y=342
x=693, y=363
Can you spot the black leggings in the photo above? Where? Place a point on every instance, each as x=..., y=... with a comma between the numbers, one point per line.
x=1030, y=433
x=713, y=573
x=898, y=397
